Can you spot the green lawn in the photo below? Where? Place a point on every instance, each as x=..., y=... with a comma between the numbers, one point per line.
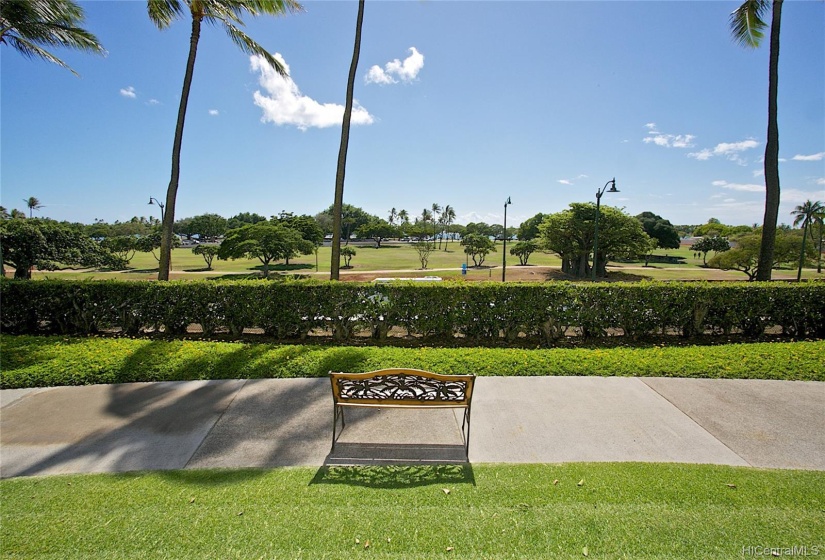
x=40, y=361
x=603, y=510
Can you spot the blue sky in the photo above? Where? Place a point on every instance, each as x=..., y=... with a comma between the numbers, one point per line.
x=460, y=103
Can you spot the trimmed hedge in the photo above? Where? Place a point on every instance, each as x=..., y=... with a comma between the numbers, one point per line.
x=289, y=310
x=37, y=361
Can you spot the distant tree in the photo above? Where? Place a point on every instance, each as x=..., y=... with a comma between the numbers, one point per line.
x=208, y=226
x=4, y=213
x=424, y=249
x=569, y=234
x=707, y=244
x=377, y=230
x=307, y=225
x=806, y=215
x=477, y=247
x=352, y=217
x=124, y=246
x=46, y=244
x=208, y=252
x=523, y=250
x=404, y=216
x=744, y=257
x=393, y=216
x=529, y=228
x=446, y=218
x=347, y=253
x=482, y=228
x=264, y=241
x=150, y=243
x=30, y=25
x=244, y=218
x=33, y=204
x=184, y=227
x=660, y=229
x=15, y=213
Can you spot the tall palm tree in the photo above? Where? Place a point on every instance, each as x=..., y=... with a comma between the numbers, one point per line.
x=404, y=216
x=747, y=24
x=33, y=204
x=227, y=14
x=393, y=216
x=30, y=25
x=806, y=214
x=447, y=218
x=338, y=203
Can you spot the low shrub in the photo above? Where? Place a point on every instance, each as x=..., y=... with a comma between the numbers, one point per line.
x=480, y=313
x=38, y=361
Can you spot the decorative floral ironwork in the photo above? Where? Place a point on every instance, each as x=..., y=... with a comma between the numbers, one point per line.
x=402, y=386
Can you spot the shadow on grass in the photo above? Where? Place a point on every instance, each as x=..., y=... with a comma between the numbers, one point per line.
x=212, y=477
x=285, y=267
x=395, y=476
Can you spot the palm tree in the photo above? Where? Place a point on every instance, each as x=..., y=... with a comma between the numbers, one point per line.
x=338, y=203
x=404, y=216
x=226, y=13
x=820, y=222
x=33, y=204
x=806, y=214
x=447, y=218
x=747, y=24
x=30, y=25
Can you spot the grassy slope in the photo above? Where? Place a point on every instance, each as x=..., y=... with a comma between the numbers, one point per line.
x=28, y=361
x=491, y=511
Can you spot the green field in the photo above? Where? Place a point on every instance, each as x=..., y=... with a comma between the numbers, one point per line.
x=576, y=510
x=401, y=259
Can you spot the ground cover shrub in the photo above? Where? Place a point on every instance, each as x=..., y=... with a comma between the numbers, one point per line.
x=39, y=361
x=493, y=311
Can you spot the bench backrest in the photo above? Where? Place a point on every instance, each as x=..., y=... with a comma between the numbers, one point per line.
x=403, y=387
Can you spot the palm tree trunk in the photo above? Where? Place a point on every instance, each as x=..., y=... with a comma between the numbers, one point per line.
x=819, y=254
x=771, y=154
x=342, y=152
x=165, y=263
x=802, y=254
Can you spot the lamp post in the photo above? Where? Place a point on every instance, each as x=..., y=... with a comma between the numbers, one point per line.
x=504, y=249
x=599, y=193
x=153, y=200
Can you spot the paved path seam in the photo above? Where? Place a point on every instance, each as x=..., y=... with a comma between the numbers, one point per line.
x=215, y=423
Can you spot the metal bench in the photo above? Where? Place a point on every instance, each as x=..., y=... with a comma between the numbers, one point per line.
x=401, y=388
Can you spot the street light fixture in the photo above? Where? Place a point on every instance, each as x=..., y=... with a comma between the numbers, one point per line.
x=599, y=193
x=504, y=249
x=153, y=200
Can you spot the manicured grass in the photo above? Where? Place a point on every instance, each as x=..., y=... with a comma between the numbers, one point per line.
x=482, y=511
x=30, y=361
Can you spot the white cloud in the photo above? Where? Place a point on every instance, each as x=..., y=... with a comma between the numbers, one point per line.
x=799, y=196
x=286, y=105
x=667, y=140
x=812, y=157
x=214, y=112
x=729, y=200
x=758, y=172
x=746, y=187
x=406, y=70
x=820, y=181
x=573, y=180
x=128, y=92
x=564, y=182
x=153, y=102
x=729, y=150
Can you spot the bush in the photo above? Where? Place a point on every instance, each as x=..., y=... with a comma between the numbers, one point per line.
x=480, y=313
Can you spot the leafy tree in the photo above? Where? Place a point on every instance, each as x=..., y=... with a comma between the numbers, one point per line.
x=208, y=252
x=244, y=218
x=15, y=213
x=226, y=14
x=660, y=229
x=341, y=169
x=529, y=228
x=523, y=250
x=352, y=217
x=184, y=227
x=46, y=244
x=446, y=218
x=424, y=249
x=150, y=242
x=347, y=253
x=264, y=241
x=377, y=230
x=715, y=228
x=478, y=247
x=707, y=244
x=307, y=225
x=744, y=257
x=569, y=234
x=481, y=228
x=806, y=215
x=33, y=204
x=124, y=246
x=30, y=25
x=747, y=24
x=208, y=226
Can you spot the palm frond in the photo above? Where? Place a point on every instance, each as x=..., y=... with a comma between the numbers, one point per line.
x=31, y=50
x=249, y=46
x=747, y=22
x=164, y=12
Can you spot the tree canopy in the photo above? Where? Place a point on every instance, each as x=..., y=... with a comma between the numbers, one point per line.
x=265, y=241
x=529, y=228
x=660, y=229
x=477, y=246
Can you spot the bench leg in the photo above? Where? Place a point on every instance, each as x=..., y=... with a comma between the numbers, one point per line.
x=338, y=412
x=466, y=422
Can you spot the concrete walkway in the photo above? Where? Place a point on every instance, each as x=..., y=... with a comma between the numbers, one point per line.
x=269, y=423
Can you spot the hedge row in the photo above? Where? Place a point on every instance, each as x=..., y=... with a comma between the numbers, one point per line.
x=291, y=310
x=39, y=361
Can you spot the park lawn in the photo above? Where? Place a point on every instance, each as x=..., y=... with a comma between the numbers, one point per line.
x=44, y=361
x=575, y=510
